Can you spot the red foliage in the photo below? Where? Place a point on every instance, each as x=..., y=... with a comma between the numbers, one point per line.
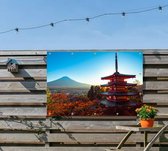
x=60, y=105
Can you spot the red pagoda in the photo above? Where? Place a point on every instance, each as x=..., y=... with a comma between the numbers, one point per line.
x=119, y=93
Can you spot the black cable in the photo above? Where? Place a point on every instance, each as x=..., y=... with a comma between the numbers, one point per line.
x=124, y=13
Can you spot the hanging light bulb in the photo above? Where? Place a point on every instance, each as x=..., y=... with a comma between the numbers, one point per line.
x=123, y=13
x=160, y=8
x=17, y=29
x=87, y=19
x=52, y=24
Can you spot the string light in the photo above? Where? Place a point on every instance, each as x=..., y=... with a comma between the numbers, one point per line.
x=87, y=19
x=17, y=29
x=52, y=24
x=160, y=7
x=123, y=13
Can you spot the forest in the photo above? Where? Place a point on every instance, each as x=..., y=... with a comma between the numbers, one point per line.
x=89, y=104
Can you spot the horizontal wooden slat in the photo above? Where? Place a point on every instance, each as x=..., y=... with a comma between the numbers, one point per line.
x=23, y=111
x=69, y=126
x=22, y=104
x=3, y=79
x=22, y=130
x=22, y=86
x=21, y=143
x=150, y=72
x=18, y=138
x=87, y=148
x=25, y=60
x=163, y=110
x=106, y=125
x=93, y=124
x=155, y=85
x=155, y=98
x=24, y=73
x=88, y=119
x=156, y=59
x=10, y=124
x=22, y=52
x=103, y=138
x=94, y=131
x=27, y=98
x=155, y=51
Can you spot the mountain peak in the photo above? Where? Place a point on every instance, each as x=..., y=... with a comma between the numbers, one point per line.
x=65, y=81
x=65, y=77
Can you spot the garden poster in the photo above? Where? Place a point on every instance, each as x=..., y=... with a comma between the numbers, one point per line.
x=94, y=83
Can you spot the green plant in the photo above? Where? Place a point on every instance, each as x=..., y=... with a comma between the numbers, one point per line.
x=146, y=112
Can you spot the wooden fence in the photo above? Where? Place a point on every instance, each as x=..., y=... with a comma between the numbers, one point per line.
x=23, y=122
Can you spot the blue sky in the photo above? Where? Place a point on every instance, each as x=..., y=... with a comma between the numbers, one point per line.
x=89, y=67
x=148, y=30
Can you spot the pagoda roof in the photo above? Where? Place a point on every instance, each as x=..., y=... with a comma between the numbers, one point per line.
x=119, y=93
x=118, y=84
x=114, y=104
x=117, y=74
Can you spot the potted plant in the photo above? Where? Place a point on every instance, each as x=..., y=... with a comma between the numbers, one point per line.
x=146, y=115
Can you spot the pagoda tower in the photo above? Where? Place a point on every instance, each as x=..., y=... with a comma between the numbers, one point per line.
x=119, y=93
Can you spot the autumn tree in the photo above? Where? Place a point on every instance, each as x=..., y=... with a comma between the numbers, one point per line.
x=94, y=92
x=91, y=93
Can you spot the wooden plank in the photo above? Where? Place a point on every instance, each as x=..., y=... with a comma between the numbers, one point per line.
x=21, y=143
x=155, y=85
x=98, y=125
x=22, y=52
x=24, y=111
x=154, y=51
x=24, y=60
x=22, y=86
x=138, y=128
x=114, y=119
x=55, y=129
x=21, y=130
x=22, y=79
x=23, y=117
x=21, y=104
x=157, y=72
x=155, y=98
x=24, y=73
x=24, y=98
x=71, y=148
x=18, y=137
x=162, y=110
x=90, y=125
x=98, y=138
x=13, y=124
x=156, y=59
